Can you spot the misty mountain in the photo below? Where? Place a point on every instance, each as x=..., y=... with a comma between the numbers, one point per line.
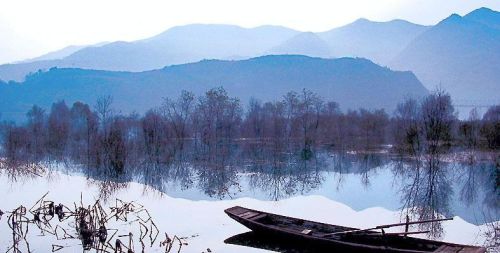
x=352, y=82
x=179, y=45
x=377, y=41
x=458, y=54
x=182, y=44
x=62, y=53
x=17, y=71
x=56, y=55
x=485, y=16
x=306, y=43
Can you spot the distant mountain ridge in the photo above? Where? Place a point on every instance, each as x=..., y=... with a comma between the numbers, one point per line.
x=459, y=54
x=192, y=43
x=306, y=43
x=351, y=82
x=377, y=41
x=485, y=16
x=62, y=53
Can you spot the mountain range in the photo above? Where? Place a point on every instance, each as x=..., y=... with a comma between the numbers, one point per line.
x=377, y=41
x=178, y=45
x=460, y=54
x=352, y=82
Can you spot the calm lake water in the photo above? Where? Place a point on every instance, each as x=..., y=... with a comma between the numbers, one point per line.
x=187, y=199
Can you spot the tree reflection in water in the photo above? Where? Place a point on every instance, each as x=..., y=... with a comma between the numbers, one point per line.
x=426, y=191
x=278, y=169
x=481, y=174
x=428, y=183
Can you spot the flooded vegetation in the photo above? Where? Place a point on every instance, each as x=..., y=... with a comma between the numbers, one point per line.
x=122, y=181
x=93, y=226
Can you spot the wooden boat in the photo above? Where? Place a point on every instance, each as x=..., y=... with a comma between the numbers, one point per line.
x=333, y=238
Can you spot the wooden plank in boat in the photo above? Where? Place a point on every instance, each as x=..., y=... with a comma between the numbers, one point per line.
x=262, y=215
x=248, y=215
x=448, y=249
x=306, y=231
x=236, y=210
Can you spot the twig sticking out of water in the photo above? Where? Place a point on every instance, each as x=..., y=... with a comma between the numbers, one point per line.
x=56, y=247
x=18, y=223
x=168, y=243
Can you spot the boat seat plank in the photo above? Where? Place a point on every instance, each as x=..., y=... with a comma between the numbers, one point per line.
x=449, y=249
x=237, y=210
x=306, y=231
x=248, y=215
x=262, y=215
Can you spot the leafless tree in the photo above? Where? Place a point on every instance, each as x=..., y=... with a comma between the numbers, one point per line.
x=58, y=128
x=155, y=135
x=84, y=135
x=104, y=110
x=219, y=118
x=178, y=112
x=469, y=130
x=37, y=129
x=438, y=118
x=490, y=128
x=308, y=115
x=407, y=127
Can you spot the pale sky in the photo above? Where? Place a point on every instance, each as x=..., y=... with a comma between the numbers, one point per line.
x=29, y=28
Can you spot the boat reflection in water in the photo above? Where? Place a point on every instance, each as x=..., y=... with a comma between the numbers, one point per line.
x=254, y=240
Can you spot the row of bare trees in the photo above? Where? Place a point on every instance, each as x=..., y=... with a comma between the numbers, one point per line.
x=213, y=123
x=430, y=126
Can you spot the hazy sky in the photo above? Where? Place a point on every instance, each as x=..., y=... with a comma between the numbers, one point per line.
x=29, y=28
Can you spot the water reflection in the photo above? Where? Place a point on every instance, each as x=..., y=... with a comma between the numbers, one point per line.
x=426, y=186
x=426, y=191
x=251, y=239
x=21, y=171
x=285, y=175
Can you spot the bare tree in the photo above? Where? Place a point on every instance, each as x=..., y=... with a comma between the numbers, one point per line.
x=438, y=118
x=155, y=135
x=16, y=143
x=308, y=116
x=104, y=110
x=407, y=126
x=219, y=119
x=58, y=128
x=37, y=130
x=469, y=130
x=254, y=120
x=291, y=103
x=178, y=112
x=330, y=124
x=84, y=126
x=116, y=145
x=490, y=128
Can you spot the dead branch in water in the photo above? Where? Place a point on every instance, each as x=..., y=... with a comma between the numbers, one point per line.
x=91, y=225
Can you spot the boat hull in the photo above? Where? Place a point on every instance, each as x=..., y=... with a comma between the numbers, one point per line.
x=324, y=244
